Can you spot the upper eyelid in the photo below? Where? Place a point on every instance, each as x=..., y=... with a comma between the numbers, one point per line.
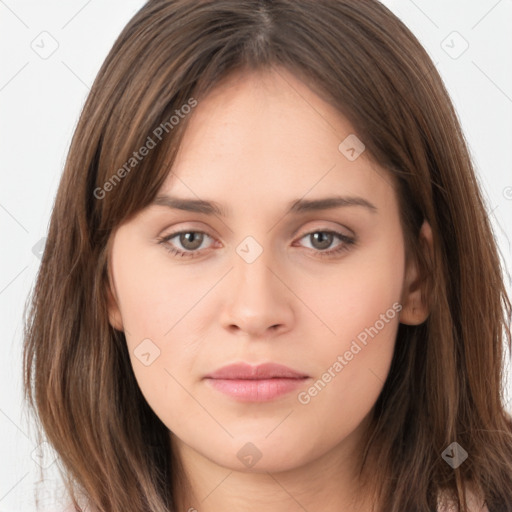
x=294, y=233
x=174, y=234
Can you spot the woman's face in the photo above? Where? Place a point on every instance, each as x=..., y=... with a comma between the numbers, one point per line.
x=294, y=257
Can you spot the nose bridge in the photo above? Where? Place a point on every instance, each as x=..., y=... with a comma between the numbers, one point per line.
x=254, y=280
x=257, y=300
x=252, y=266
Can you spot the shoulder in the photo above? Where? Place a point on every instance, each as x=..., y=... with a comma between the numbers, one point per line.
x=69, y=508
x=475, y=504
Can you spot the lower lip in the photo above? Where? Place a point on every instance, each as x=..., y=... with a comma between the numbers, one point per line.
x=261, y=390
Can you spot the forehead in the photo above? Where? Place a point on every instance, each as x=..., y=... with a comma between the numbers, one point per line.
x=265, y=137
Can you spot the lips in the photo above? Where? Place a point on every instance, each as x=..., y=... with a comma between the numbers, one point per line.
x=261, y=383
x=263, y=371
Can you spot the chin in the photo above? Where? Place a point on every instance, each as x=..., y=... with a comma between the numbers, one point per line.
x=260, y=454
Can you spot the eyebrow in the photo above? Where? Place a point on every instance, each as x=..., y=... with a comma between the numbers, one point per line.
x=294, y=207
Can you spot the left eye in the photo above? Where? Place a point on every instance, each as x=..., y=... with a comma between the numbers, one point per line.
x=192, y=241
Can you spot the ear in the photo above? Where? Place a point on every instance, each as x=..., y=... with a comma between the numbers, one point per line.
x=114, y=313
x=415, y=310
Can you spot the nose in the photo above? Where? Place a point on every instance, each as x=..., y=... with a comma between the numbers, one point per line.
x=259, y=301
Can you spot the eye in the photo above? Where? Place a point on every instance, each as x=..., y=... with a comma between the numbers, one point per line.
x=321, y=242
x=191, y=241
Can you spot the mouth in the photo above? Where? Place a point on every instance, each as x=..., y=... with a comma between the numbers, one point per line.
x=262, y=383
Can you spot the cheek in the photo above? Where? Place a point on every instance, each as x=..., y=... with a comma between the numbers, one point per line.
x=159, y=305
x=361, y=304
x=155, y=293
x=352, y=298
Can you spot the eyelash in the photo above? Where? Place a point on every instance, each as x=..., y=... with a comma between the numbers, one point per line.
x=345, y=246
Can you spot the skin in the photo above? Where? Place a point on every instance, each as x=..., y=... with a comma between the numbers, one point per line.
x=254, y=144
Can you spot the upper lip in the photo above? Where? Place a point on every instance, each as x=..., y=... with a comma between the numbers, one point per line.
x=244, y=371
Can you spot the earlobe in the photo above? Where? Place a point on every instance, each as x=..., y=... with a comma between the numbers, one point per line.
x=415, y=309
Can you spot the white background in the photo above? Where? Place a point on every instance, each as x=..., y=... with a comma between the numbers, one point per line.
x=40, y=100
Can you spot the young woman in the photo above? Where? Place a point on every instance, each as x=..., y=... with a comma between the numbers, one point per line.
x=270, y=282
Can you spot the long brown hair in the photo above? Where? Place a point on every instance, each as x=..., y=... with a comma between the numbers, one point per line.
x=445, y=384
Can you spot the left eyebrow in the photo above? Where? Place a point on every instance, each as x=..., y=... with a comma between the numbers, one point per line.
x=328, y=203
x=297, y=206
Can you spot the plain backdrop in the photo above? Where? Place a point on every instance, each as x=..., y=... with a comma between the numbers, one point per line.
x=50, y=54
